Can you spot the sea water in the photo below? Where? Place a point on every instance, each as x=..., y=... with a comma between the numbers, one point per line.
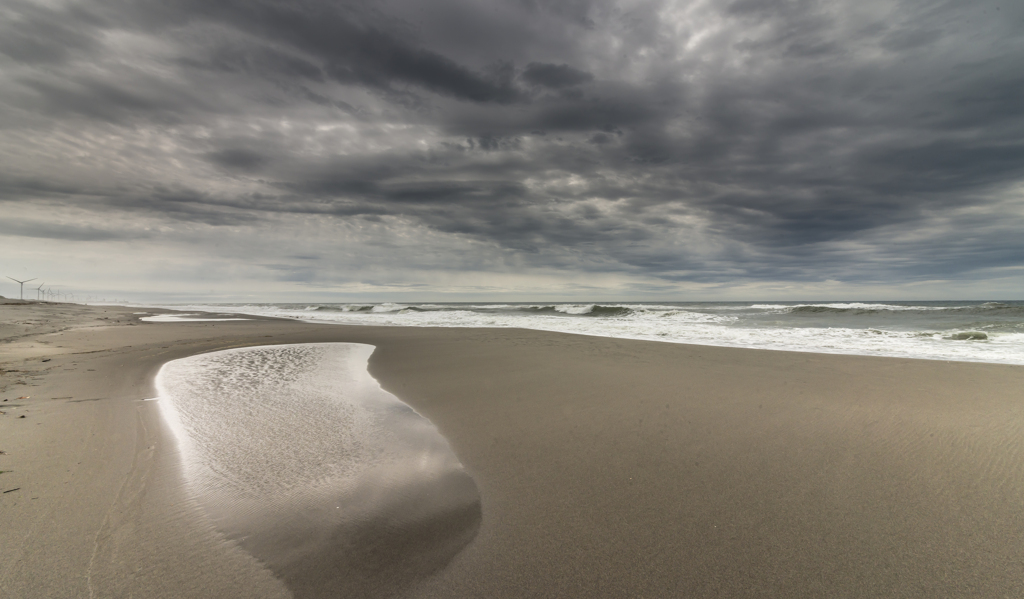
x=973, y=331
x=297, y=454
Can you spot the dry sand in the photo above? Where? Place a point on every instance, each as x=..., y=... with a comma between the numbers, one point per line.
x=606, y=468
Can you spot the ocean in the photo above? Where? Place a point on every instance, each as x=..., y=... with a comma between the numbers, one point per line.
x=972, y=331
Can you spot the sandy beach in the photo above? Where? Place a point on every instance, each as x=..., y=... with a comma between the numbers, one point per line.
x=605, y=467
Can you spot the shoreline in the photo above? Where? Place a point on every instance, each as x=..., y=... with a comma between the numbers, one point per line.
x=606, y=467
x=983, y=332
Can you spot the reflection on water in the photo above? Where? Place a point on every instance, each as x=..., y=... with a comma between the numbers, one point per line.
x=298, y=455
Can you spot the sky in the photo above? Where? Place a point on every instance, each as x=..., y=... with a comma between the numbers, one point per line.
x=515, y=150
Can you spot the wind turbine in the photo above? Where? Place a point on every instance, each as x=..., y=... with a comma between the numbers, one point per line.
x=39, y=291
x=22, y=283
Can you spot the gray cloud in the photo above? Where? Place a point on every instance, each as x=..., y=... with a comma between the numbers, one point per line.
x=758, y=140
x=49, y=230
x=554, y=75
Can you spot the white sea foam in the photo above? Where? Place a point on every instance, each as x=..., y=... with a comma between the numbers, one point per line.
x=185, y=318
x=926, y=331
x=297, y=446
x=254, y=420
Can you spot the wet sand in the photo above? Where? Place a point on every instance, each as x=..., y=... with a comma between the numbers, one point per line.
x=295, y=452
x=606, y=468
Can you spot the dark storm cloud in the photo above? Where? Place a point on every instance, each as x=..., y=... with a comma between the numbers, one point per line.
x=28, y=36
x=760, y=139
x=237, y=158
x=554, y=75
x=108, y=100
x=48, y=230
x=354, y=52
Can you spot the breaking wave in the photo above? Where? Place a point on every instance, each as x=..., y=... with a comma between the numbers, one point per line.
x=990, y=308
x=609, y=311
x=831, y=310
x=353, y=308
x=964, y=330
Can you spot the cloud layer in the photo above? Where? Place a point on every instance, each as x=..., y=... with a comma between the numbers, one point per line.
x=569, y=147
